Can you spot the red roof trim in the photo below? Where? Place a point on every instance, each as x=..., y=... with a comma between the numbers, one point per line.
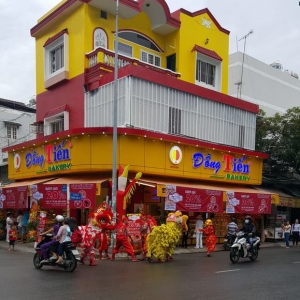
x=135, y=132
x=207, y=52
x=203, y=11
x=56, y=111
x=55, y=37
x=169, y=81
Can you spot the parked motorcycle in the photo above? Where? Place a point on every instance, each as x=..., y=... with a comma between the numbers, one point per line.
x=229, y=240
x=70, y=256
x=240, y=248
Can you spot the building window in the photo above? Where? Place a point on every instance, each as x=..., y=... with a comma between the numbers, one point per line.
x=150, y=58
x=56, y=65
x=56, y=123
x=205, y=72
x=125, y=49
x=139, y=39
x=100, y=38
x=174, y=120
x=241, y=135
x=57, y=126
x=11, y=132
x=57, y=58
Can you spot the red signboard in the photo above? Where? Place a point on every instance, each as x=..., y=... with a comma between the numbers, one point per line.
x=190, y=199
x=88, y=195
x=53, y=195
x=248, y=203
x=15, y=197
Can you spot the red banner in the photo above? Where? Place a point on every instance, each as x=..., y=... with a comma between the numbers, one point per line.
x=190, y=199
x=53, y=196
x=248, y=203
x=15, y=197
x=88, y=195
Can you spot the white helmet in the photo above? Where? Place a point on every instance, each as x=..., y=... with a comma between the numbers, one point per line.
x=59, y=218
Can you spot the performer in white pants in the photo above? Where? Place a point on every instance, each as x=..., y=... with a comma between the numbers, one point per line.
x=199, y=225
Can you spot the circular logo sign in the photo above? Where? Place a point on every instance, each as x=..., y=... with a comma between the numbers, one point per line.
x=17, y=161
x=175, y=155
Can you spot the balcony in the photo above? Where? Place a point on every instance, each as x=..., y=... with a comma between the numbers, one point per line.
x=102, y=61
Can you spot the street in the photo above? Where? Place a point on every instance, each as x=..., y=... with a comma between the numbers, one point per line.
x=190, y=276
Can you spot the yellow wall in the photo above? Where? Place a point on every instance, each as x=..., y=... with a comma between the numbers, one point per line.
x=93, y=153
x=82, y=22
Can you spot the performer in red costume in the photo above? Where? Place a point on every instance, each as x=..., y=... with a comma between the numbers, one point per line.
x=122, y=238
x=211, y=239
x=103, y=246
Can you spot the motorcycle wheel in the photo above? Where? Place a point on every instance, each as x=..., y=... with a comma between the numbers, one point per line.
x=227, y=246
x=234, y=255
x=71, y=264
x=254, y=255
x=37, y=261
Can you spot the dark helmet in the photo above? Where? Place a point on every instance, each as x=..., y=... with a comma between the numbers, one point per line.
x=248, y=218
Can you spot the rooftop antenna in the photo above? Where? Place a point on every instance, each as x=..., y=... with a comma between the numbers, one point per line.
x=239, y=84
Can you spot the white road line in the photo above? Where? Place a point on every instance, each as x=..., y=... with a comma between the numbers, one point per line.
x=296, y=262
x=228, y=271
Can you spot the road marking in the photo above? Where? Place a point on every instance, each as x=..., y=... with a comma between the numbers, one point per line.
x=296, y=262
x=228, y=271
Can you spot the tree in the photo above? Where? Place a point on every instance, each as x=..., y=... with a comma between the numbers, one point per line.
x=279, y=136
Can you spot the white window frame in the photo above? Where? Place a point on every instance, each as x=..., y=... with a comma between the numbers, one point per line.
x=62, y=40
x=218, y=72
x=48, y=122
x=11, y=132
x=149, y=55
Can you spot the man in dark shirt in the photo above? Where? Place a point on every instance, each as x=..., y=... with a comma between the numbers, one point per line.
x=249, y=229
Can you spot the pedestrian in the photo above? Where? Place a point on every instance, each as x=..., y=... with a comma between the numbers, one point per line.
x=185, y=231
x=25, y=219
x=211, y=239
x=295, y=232
x=12, y=237
x=232, y=227
x=199, y=234
x=20, y=229
x=9, y=222
x=286, y=227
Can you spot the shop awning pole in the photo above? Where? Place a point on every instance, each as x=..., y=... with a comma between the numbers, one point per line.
x=68, y=200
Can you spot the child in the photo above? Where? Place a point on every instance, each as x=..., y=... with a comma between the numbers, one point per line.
x=12, y=237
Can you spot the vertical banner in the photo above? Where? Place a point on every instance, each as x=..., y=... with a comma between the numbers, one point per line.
x=190, y=199
x=83, y=195
x=248, y=203
x=53, y=196
x=40, y=227
x=15, y=197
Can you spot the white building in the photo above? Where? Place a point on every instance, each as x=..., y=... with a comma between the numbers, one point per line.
x=270, y=86
x=15, y=121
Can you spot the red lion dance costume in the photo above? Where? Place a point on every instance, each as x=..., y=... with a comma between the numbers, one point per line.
x=100, y=221
x=211, y=239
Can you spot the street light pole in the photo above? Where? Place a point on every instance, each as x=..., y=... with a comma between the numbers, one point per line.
x=115, y=117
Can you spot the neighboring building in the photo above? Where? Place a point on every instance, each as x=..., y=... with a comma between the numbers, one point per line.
x=176, y=123
x=271, y=87
x=16, y=119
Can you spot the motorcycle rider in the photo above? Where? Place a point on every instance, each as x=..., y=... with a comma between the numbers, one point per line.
x=249, y=229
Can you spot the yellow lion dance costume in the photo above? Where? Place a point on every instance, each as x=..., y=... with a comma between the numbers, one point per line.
x=162, y=240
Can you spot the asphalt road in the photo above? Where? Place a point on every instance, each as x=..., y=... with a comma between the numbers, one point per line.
x=275, y=275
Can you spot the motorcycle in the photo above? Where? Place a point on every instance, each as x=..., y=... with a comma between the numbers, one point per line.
x=228, y=240
x=240, y=248
x=70, y=256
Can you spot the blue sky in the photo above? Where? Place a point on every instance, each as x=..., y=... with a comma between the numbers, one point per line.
x=276, y=37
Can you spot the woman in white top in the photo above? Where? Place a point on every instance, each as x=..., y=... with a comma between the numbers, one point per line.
x=295, y=232
x=287, y=232
x=9, y=222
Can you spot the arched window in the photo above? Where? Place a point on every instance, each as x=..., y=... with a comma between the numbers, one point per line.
x=100, y=38
x=139, y=39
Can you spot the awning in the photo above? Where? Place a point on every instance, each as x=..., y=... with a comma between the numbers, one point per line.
x=77, y=179
x=207, y=186
x=27, y=182
x=207, y=52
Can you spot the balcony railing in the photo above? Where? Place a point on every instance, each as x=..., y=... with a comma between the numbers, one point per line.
x=105, y=59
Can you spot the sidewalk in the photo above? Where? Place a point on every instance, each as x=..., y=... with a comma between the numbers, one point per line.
x=28, y=247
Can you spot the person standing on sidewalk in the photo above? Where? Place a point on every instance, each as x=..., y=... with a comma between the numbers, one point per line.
x=295, y=232
x=199, y=225
x=9, y=222
x=287, y=232
x=20, y=229
x=12, y=237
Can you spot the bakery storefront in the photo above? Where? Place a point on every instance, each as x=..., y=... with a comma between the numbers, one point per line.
x=70, y=173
